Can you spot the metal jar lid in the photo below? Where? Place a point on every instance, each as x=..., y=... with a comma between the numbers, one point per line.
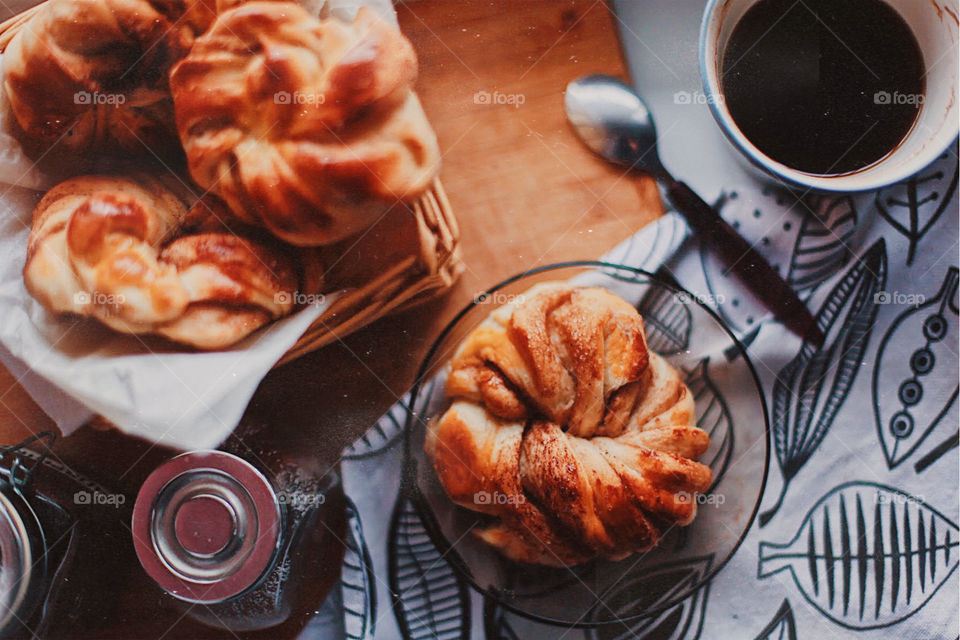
x=22, y=561
x=206, y=526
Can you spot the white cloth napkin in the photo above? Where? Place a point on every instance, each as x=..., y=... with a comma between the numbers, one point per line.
x=881, y=270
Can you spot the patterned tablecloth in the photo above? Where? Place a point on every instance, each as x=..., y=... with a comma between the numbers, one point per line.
x=857, y=535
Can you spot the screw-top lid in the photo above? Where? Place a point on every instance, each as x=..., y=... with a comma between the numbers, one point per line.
x=206, y=526
x=22, y=563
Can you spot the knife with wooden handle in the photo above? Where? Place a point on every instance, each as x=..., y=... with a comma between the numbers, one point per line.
x=740, y=258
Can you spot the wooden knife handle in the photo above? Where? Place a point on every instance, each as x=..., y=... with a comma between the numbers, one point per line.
x=746, y=262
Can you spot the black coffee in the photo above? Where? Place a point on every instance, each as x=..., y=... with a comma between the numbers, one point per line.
x=823, y=86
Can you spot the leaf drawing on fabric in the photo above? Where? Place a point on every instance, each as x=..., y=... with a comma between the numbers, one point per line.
x=807, y=242
x=357, y=585
x=867, y=555
x=713, y=416
x=648, y=248
x=384, y=433
x=914, y=384
x=813, y=386
x=682, y=621
x=938, y=452
x=495, y=623
x=914, y=206
x=666, y=318
x=822, y=246
x=429, y=599
x=782, y=626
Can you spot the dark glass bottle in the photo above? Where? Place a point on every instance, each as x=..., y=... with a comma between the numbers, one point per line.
x=61, y=542
x=234, y=539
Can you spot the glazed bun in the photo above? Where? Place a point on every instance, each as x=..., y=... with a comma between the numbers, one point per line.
x=558, y=404
x=307, y=127
x=127, y=251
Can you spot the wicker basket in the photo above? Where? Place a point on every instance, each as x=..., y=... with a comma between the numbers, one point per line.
x=416, y=258
x=410, y=260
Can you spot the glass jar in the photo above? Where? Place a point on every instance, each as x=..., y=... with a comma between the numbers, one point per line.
x=61, y=542
x=233, y=541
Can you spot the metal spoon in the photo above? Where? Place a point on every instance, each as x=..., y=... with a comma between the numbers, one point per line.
x=614, y=122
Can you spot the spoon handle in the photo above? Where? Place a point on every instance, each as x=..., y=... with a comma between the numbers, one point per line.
x=745, y=261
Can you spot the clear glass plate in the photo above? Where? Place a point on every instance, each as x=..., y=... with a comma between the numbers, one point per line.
x=730, y=407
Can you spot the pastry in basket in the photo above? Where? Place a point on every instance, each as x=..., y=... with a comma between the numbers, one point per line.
x=586, y=438
x=91, y=75
x=127, y=251
x=307, y=127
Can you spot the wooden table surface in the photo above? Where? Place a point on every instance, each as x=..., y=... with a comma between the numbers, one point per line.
x=525, y=191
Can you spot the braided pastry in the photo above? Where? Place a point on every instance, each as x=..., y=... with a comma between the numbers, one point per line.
x=91, y=75
x=569, y=430
x=309, y=128
x=115, y=248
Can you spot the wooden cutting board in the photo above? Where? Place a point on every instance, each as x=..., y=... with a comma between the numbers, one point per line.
x=526, y=193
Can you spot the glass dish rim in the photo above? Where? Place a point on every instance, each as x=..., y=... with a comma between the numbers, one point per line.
x=408, y=485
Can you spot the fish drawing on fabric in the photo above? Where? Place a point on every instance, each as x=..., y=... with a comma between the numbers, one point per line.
x=713, y=416
x=429, y=600
x=807, y=241
x=782, y=626
x=867, y=555
x=914, y=381
x=811, y=388
x=914, y=206
x=648, y=589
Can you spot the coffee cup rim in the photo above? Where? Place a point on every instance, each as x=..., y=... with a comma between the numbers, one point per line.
x=869, y=178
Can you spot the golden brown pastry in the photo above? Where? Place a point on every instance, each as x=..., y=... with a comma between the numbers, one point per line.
x=569, y=430
x=126, y=251
x=91, y=75
x=309, y=128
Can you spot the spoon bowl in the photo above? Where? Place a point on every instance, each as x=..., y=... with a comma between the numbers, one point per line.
x=614, y=122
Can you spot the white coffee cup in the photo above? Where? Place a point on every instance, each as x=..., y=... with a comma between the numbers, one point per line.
x=933, y=22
